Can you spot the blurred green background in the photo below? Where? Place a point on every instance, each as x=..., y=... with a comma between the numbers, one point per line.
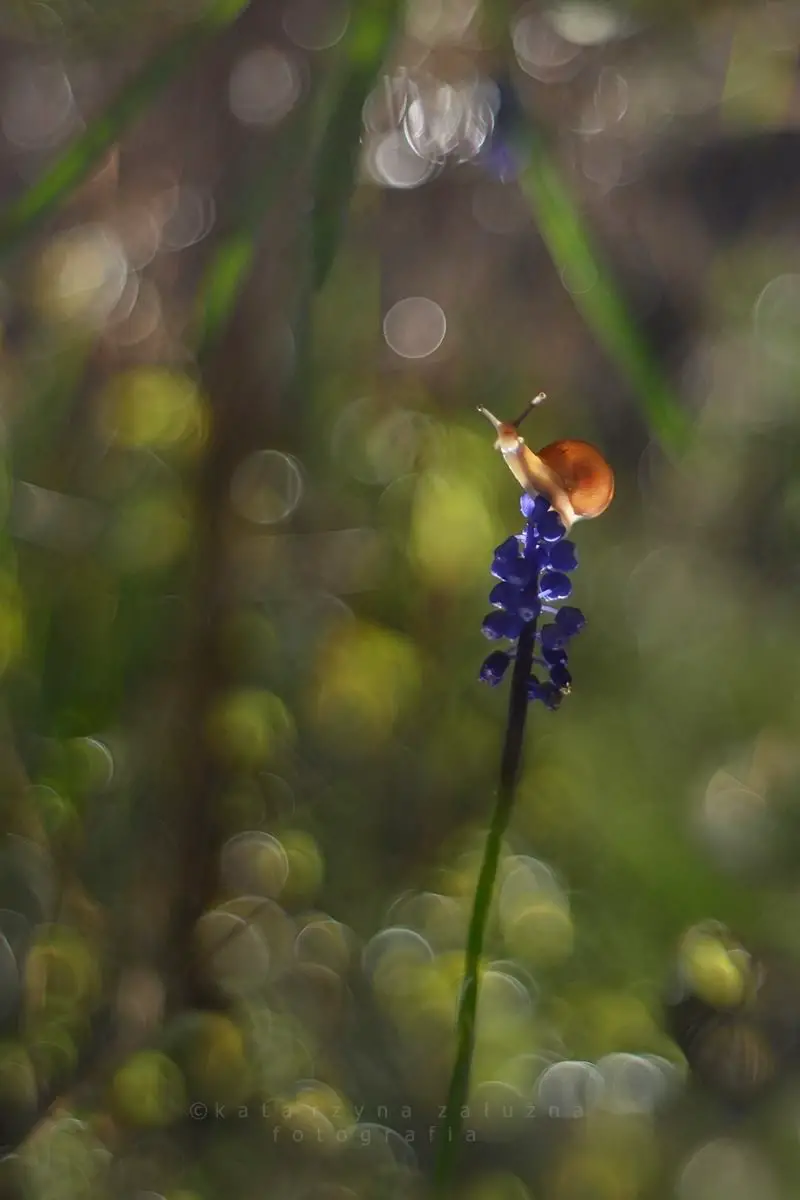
x=259, y=264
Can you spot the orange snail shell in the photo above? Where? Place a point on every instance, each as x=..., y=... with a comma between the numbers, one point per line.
x=588, y=479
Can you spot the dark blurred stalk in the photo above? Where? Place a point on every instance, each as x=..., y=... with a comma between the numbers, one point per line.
x=510, y=764
x=22, y=217
x=329, y=129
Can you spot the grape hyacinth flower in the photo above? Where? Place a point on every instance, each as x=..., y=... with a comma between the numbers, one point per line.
x=533, y=570
x=565, y=482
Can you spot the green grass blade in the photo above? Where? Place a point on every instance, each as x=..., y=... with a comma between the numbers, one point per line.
x=222, y=286
x=77, y=161
x=335, y=172
x=602, y=307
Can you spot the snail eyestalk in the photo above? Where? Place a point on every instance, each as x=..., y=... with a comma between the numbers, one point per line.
x=531, y=404
x=507, y=430
x=490, y=417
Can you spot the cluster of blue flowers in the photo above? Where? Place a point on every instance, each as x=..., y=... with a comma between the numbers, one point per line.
x=533, y=569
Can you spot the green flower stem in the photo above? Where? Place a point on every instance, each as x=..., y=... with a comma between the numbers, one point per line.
x=510, y=763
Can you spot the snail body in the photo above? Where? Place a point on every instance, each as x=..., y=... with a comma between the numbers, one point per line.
x=573, y=475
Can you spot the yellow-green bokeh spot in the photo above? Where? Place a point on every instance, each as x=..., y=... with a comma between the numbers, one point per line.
x=497, y=1187
x=12, y=621
x=451, y=966
x=149, y=533
x=451, y=530
x=250, y=727
x=306, y=1122
x=214, y=1059
x=306, y=866
x=57, y=814
x=367, y=676
x=63, y=1158
x=18, y=1085
x=223, y=11
x=154, y=408
x=54, y=1050
x=607, y=1022
x=149, y=1090
x=540, y=933
x=88, y=763
x=411, y=991
x=712, y=972
x=590, y=1172
x=62, y=973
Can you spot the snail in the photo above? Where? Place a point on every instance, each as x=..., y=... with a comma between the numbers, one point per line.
x=574, y=476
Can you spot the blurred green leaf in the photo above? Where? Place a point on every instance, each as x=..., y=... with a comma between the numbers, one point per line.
x=223, y=283
x=601, y=306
